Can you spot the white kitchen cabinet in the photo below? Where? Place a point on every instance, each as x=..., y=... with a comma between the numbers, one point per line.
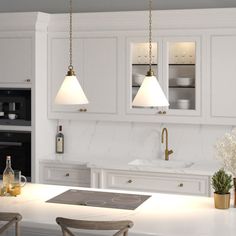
x=222, y=78
x=64, y=174
x=150, y=181
x=176, y=61
x=16, y=58
x=95, y=64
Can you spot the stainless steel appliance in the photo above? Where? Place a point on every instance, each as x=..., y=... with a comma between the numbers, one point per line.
x=16, y=144
x=15, y=106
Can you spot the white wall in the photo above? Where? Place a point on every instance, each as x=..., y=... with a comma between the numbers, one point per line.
x=127, y=141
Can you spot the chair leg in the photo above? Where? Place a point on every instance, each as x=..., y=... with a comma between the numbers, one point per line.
x=17, y=229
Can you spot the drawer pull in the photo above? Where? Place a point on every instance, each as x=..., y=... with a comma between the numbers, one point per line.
x=82, y=110
x=162, y=112
x=130, y=181
x=67, y=174
x=181, y=185
x=27, y=80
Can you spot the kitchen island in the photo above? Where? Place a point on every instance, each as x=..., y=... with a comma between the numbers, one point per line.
x=160, y=215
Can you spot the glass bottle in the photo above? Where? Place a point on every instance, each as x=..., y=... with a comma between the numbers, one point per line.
x=8, y=175
x=60, y=141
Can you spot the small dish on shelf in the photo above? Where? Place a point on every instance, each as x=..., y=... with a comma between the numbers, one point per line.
x=183, y=104
x=137, y=79
x=184, y=81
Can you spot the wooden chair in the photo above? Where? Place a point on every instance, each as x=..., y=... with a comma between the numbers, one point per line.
x=12, y=218
x=121, y=226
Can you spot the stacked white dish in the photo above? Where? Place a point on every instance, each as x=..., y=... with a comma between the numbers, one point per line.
x=183, y=104
x=184, y=81
x=138, y=79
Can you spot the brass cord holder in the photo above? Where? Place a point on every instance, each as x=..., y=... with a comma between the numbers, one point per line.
x=150, y=72
x=70, y=72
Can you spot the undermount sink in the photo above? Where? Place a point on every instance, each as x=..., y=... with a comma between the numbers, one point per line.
x=161, y=163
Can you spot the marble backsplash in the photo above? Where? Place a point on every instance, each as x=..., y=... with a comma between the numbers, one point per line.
x=126, y=141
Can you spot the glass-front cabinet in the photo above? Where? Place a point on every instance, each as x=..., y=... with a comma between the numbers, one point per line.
x=176, y=64
x=138, y=65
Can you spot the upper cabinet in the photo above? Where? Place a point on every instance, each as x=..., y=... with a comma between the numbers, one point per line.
x=95, y=64
x=192, y=57
x=176, y=63
x=16, y=55
x=222, y=78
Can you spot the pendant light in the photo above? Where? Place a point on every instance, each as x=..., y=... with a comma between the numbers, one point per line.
x=150, y=93
x=70, y=92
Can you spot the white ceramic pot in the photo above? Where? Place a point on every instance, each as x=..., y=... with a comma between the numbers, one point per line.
x=183, y=104
x=184, y=81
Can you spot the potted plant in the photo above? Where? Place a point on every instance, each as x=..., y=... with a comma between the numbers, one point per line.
x=222, y=183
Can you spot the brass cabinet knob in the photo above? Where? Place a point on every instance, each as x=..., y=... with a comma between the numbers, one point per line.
x=130, y=181
x=181, y=185
x=82, y=110
x=67, y=174
x=161, y=112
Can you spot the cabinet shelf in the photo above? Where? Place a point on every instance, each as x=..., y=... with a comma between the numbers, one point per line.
x=182, y=64
x=187, y=87
x=143, y=64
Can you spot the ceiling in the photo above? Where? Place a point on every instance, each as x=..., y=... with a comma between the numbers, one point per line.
x=61, y=6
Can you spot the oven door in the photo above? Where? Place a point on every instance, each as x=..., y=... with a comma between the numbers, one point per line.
x=16, y=144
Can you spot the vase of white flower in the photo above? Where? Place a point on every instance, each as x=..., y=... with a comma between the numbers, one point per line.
x=226, y=152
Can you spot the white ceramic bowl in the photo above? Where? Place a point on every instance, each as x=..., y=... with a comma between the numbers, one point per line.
x=12, y=116
x=183, y=104
x=138, y=79
x=184, y=81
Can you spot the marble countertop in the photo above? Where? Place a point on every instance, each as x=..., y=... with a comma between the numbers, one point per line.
x=160, y=215
x=198, y=168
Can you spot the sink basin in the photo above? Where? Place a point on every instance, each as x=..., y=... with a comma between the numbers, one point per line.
x=161, y=163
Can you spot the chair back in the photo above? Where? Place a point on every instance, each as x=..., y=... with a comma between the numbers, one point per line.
x=10, y=218
x=121, y=227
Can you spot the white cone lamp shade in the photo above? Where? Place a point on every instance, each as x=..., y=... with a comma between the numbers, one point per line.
x=150, y=94
x=70, y=92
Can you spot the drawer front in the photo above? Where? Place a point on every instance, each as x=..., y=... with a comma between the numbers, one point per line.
x=66, y=176
x=158, y=183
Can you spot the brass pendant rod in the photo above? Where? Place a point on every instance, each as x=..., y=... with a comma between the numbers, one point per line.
x=150, y=35
x=70, y=36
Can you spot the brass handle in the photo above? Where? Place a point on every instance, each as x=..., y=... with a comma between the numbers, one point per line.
x=67, y=174
x=162, y=112
x=181, y=185
x=82, y=110
x=130, y=181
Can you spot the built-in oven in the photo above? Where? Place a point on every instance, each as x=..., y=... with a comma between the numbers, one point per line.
x=16, y=144
x=15, y=106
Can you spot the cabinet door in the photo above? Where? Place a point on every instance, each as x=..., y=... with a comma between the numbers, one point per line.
x=15, y=60
x=138, y=65
x=182, y=70
x=176, y=63
x=58, y=67
x=95, y=63
x=223, y=82
x=100, y=74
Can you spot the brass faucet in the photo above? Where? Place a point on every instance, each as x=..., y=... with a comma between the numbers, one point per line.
x=167, y=151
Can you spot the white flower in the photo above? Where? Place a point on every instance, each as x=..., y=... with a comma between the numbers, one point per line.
x=226, y=151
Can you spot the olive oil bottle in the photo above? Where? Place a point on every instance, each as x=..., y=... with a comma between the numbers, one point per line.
x=8, y=175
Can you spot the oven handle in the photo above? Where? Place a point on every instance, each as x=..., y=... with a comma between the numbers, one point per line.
x=15, y=144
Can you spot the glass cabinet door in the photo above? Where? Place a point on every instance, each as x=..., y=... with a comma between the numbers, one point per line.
x=138, y=67
x=182, y=75
x=176, y=64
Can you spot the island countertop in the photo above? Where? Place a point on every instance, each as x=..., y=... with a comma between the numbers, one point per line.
x=160, y=215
